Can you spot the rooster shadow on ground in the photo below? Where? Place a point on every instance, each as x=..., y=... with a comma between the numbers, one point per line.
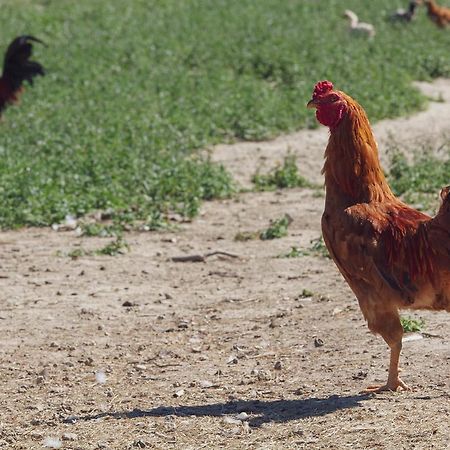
x=278, y=411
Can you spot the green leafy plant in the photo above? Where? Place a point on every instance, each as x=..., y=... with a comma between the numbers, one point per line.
x=278, y=229
x=243, y=236
x=306, y=293
x=294, y=252
x=282, y=176
x=412, y=325
x=319, y=248
x=77, y=253
x=117, y=247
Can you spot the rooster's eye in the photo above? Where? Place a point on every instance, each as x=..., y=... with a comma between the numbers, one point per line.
x=334, y=98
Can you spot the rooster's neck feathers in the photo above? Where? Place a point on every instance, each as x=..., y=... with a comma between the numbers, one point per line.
x=352, y=166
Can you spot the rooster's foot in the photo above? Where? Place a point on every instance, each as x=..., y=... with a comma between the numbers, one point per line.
x=396, y=385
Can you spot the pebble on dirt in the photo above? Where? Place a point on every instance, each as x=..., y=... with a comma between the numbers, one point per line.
x=100, y=377
x=318, y=342
x=69, y=437
x=178, y=393
x=52, y=442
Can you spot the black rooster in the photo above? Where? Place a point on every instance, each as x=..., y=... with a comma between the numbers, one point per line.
x=17, y=68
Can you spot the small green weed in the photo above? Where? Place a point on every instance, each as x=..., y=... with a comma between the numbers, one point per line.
x=294, y=252
x=411, y=325
x=243, y=236
x=281, y=177
x=77, y=253
x=306, y=293
x=117, y=247
x=317, y=248
x=278, y=229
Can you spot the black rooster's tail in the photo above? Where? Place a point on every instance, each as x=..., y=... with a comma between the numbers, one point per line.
x=17, y=68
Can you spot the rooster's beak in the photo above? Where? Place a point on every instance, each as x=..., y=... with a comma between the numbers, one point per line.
x=311, y=104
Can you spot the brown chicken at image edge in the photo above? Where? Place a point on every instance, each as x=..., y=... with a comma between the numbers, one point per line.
x=440, y=15
x=392, y=256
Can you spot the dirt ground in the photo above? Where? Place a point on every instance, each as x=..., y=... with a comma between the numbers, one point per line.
x=254, y=352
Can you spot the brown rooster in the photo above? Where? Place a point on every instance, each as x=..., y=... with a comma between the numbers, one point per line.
x=391, y=255
x=438, y=14
x=18, y=68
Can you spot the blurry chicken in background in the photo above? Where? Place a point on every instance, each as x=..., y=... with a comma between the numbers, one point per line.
x=406, y=15
x=438, y=14
x=392, y=256
x=17, y=68
x=357, y=27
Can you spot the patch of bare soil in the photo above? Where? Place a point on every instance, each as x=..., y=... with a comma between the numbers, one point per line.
x=256, y=352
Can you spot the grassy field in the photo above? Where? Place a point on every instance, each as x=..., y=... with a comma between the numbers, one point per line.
x=419, y=181
x=134, y=87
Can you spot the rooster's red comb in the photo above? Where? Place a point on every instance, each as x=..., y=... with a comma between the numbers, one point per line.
x=322, y=87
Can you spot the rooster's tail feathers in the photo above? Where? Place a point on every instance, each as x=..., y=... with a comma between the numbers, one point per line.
x=445, y=197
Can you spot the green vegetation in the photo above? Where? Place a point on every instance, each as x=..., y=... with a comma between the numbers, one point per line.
x=243, y=236
x=117, y=247
x=294, y=252
x=113, y=248
x=75, y=254
x=277, y=229
x=133, y=87
x=411, y=325
x=317, y=248
x=420, y=181
x=281, y=177
x=306, y=293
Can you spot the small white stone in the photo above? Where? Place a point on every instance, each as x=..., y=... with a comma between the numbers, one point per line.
x=100, y=377
x=179, y=393
x=412, y=337
x=52, y=442
x=242, y=416
x=69, y=437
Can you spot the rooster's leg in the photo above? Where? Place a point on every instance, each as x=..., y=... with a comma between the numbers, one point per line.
x=392, y=332
x=394, y=382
